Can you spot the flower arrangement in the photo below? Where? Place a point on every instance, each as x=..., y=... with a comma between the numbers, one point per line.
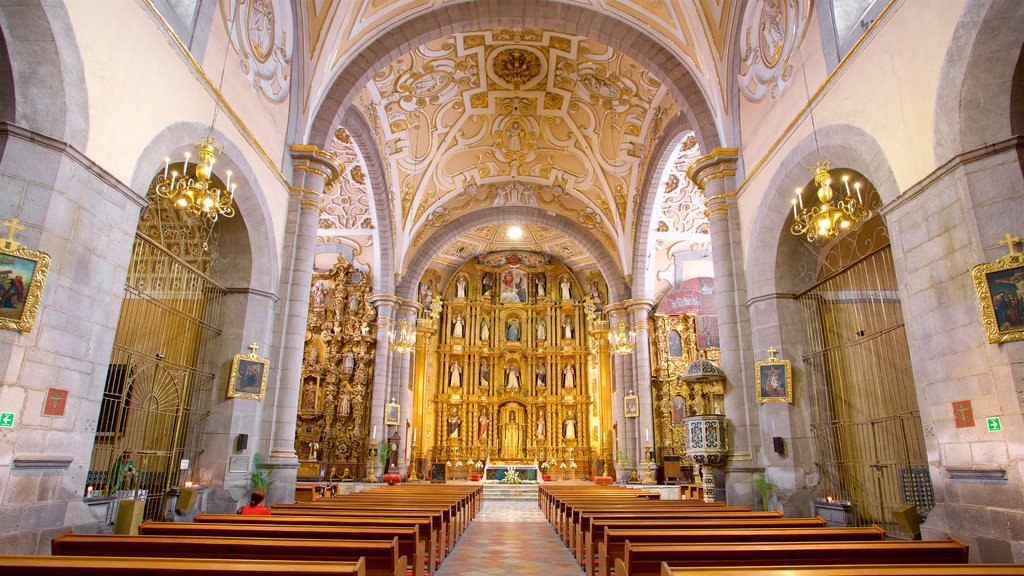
x=562, y=466
x=479, y=464
x=511, y=476
x=544, y=466
x=573, y=465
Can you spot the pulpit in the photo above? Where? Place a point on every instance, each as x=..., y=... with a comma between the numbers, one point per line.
x=706, y=447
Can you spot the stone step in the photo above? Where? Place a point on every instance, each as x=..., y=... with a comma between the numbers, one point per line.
x=510, y=492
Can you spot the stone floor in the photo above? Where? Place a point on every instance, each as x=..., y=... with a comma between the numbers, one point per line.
x=510, y=537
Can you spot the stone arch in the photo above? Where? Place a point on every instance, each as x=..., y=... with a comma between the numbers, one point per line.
x=845, y=146
x=571, y=18
x=980, y=79
x=617, y=287
x=643, y=284
x=384, y=258
x=262, y=270
x=46, y=71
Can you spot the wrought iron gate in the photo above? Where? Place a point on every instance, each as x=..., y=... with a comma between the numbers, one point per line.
x=866, y=425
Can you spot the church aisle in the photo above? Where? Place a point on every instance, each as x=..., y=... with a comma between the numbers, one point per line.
x=509, y=538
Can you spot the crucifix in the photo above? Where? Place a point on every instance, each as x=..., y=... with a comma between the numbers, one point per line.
x=14, y=226
x=963, y=412
x=1008, y=241
x=771, y=352
x=252, y=349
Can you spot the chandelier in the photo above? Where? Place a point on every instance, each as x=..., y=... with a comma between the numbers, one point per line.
x=195, y=191
x=831, y=216
x=403, y=337
x=622, y=342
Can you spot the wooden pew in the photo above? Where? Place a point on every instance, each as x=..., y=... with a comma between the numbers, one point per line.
x=117, y=566
x=646, y=559
x=852, y=570
x=575, y=524
x=613, y=546
x=409, y=543
x=598, y=526
x=381, y=556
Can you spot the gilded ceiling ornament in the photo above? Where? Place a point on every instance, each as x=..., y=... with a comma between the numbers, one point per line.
x=600, y=86
x=772, y=30
x=260, y=35
x=517, y=67
x=515, y=194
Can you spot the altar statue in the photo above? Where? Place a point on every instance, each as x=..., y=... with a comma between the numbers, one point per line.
x=542, y=330
x=460, y=287
x=513, y=331
x=542, y=376
x=484, y=422
x=348, y=364
x=512, y=378
x=569, y=377
x=541, y=425
x=485, y=375
x=512, y=438
x=486, y=285
x=320, y=294
x=458, y=326
x=567, y=329
x=570, y=427
x=542, y=285
x=455, y=376
x=485, y=330
x=345, y=405
x=566, y=287
x=454, y=425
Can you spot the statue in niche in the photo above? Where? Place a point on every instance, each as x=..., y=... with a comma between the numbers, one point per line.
x=485, y=330
x=542, y=330
x=320, y=294
x=542, y=285
x=348, y=364
x=542, y=376
x=393, y=457
x=458, y=326
x=345, y=405
x=353, y=303
x=569, y=377
x=566, y=288
x=514, y=135
x=541, y=426
x=513, y=330
x=512, y=381
x=309, y=396
x=569, y=427
x=460, y=287
x=512, y=438
x=567, y=329
x=426, y=292
x=482, y=429
x=485, y=375
x=314, y=447
x=455, y=376
x=485, y=289
x=675, y=344
x=454, y=425
x=595, y=294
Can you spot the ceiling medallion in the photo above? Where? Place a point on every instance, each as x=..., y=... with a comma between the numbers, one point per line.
x=516, y=66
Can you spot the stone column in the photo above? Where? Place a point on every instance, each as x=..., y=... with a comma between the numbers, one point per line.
x=715, y=175
x=623, y=380
x=639, y=311
x=313, y=170
x=401, y=388
x=387, y=307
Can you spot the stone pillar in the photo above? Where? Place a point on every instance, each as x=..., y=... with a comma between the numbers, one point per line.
x=715, y=175
x=624, y=380
x=401, y=388
x=639, y=311
x=313, y=170
x=85, y=220
x=387, y=307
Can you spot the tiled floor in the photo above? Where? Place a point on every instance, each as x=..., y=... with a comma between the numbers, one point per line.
x=510, y=538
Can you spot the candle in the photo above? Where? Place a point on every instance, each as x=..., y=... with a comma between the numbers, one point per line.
x=167, y=164
x=846, y=182
x=646, y=435
x=857, y=187
x=88, y=491
x=413, y=434
x=228, y=185
x=794, y=209
x=184, y=170
x=374, y=435
x=800, y=197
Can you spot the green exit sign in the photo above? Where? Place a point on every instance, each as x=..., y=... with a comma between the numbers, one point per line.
x=994, y=424
x=6, y=419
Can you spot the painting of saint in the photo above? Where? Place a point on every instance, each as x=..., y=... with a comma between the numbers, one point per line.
x=773, y=382
x=678, y=409
x=1005, y=287
x=513, y=286
x=675, y=344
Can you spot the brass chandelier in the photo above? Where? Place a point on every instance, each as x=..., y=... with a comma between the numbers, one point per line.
x=403, y=337
x=833, y=214
x=195, y=192
x=620, y=341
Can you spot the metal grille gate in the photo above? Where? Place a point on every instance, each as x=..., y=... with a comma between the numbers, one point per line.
x=866, y=425
x=156, y=396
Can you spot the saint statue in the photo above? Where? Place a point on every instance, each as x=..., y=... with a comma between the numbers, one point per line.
x=460, y=287
x=542, y=376
x=485, y=330
x=512, y=330
x=595, y=294
x=313, y=448
x=566, y=287
x=320, y=294
x=570, y=427
x=454, y=425
x=567, y=329
x=569, y=377
x=309, y=396
x=348, y=364
x=345, y=405
x=486, y=286
x=484, y=422
x=426, y=292
x=512, y=378
x=541, y=426
x=455, y=376
x=458, y=326
x=485, y=375
x=512, y=438
x=542, y=285
x=542, y=330
x=353, y=303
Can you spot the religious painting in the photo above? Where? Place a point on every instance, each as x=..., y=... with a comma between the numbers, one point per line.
x=22, y=277
x=248, y=376
x=695, y=295
x=675, y=344
x=513, y=286
x=391, y=413
x=707, y=332
x=1000, y=289
x=631, y=405
x=774, y=381
x=678, y=409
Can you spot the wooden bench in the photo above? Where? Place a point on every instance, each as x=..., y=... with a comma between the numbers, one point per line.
x=598, y=526
x=381, y=556
x=646, y=559
x=116, y=566
x=409, y=543
x=852, y=570
x=613, y=546
x=578, y=516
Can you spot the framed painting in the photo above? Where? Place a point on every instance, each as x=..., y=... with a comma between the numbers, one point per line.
x=630, y=408
x=248, y=376
x=22, y=277
x=391, y=413
x=774, y=380
x=1000, y=289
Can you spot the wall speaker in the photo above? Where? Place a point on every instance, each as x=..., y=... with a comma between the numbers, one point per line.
x=778, y=445
x=241, y=442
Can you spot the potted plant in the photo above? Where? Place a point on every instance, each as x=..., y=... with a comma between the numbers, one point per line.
x=384, y=455
x=259, y=478
x=764, y=487
x=623, y=457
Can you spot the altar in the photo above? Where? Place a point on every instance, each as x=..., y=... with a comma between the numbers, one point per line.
x=497, y=472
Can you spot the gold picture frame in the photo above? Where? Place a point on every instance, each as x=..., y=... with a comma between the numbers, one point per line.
x=20, y=298
x=248, y=376
x=1000, y=289
x=392, y=412
x=774, y=380
x=631, y=405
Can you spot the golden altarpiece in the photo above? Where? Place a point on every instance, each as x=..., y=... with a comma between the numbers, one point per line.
x=337, y=369
x=510, y=367
x=673, y=349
